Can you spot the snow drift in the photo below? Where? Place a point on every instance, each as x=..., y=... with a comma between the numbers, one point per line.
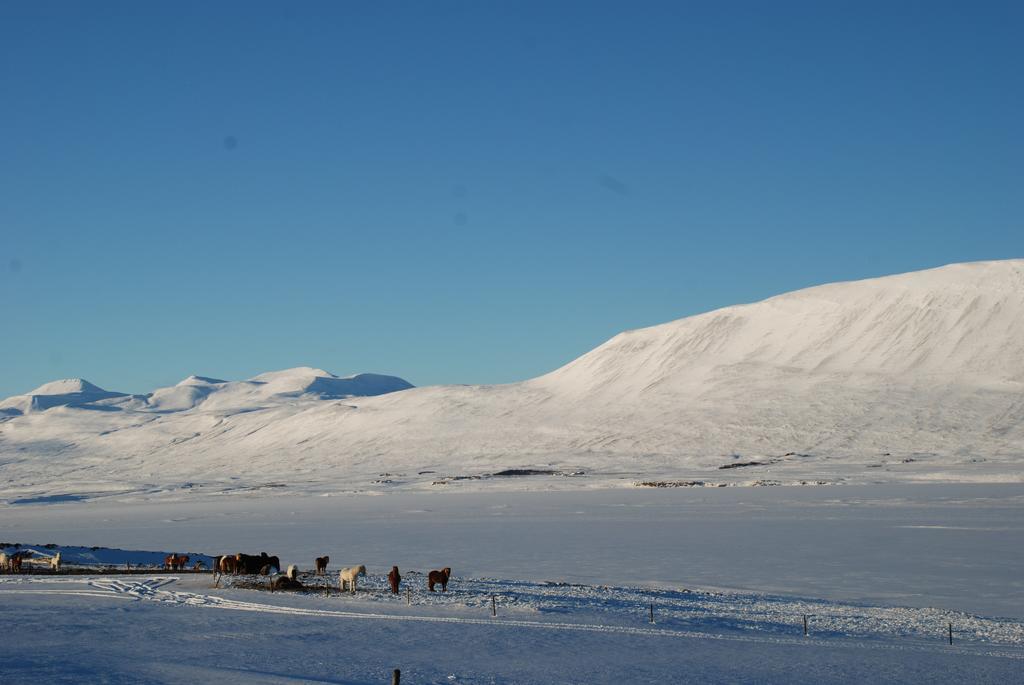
x=918, y=375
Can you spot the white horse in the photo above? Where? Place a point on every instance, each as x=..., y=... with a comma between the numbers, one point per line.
x=349, y=575
x=293, y=572
x=5, y=562
x=55, y=562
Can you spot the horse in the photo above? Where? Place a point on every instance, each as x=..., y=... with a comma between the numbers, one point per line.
x=16, y=560
x=199, y=566
x=175, y=562
x=321, y=565
x=5, y=562
x=250, y=564
x=394, y=579
x=439, y=578
x=290, y=581
x=227, y=564
x=55, y=562
x=172, y=562
x=348, y=576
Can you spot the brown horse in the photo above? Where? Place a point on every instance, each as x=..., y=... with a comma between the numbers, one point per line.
x=394, y=579
x=439, y=578
x=321, y=565
x=175, y=562
x=227, y=564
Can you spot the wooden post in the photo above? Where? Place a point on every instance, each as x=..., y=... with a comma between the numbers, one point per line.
x=408, y=596
x=494, y=606
x=805, y=625
x=396, y=677
x=951, y=632
x=652, y=612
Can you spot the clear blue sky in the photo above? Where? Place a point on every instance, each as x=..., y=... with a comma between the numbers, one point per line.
x=480, y=191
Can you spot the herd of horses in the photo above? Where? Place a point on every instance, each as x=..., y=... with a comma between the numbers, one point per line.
x=264, y=564
x=12, y=563
x=247, y=564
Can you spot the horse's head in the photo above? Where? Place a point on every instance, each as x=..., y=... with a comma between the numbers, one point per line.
x=362, y=570
x=447, y=572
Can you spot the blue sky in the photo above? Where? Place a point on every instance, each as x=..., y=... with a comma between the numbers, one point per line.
x=474, y=192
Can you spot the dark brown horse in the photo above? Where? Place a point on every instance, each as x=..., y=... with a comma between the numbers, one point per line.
x=394, y=579
x=251, y=564
x=17, y=558
x=321, y=565
x=439, y=578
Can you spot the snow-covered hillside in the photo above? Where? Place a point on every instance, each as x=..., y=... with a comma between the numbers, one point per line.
x=915, y=376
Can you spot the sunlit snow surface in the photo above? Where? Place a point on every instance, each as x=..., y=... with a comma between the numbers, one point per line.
x=880, y=571
x=916, y=377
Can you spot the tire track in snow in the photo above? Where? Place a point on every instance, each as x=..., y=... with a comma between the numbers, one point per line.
x=152, y=589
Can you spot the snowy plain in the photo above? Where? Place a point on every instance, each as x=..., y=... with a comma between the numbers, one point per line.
x=880, y=571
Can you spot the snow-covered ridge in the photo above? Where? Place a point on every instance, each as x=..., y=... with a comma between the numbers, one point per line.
x=196, y=390
x=917, y=376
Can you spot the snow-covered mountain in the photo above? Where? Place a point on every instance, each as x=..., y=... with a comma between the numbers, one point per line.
x=917, y=376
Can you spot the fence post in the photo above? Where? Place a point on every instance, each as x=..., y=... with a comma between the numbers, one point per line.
x=408, y=596
x=805, y=625
x=494, y=606
x=652, y=612
x=950, y=632
x=396, y=677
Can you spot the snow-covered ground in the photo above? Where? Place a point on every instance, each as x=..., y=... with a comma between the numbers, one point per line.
x=915, y=377
x=172, y=629
x=957, y=547
x=880, y=571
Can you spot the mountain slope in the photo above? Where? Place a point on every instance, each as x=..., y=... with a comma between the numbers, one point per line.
x=917, y=376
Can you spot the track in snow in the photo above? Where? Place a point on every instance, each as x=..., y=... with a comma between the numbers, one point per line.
x=157, y=589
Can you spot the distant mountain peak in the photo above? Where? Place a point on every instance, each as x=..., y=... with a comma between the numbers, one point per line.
x=201, y=380
x=67, y=386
